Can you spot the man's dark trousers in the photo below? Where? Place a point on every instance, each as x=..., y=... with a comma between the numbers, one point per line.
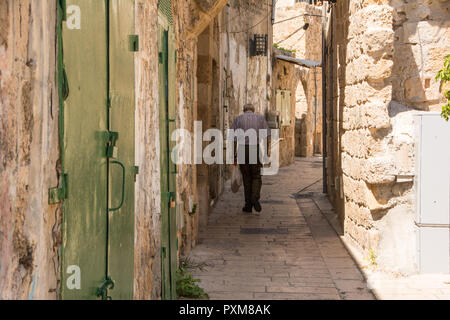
x=251, y=176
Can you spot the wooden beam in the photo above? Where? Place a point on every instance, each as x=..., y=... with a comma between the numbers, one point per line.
x=208, y=10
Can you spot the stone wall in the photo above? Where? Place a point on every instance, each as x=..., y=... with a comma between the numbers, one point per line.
x=385, y=56
x=30, y=234
x=147, y=282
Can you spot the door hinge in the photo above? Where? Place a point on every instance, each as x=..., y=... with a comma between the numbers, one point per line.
x=56, y=195
x=136, y=172
x=102, y=289
x=133, y=42
x=111, y=149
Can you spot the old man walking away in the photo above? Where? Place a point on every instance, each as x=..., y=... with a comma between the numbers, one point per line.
x=247, y=154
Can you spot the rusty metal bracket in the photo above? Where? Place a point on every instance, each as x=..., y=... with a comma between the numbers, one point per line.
x=58, y=194
x=133, y=42
x=102, y=290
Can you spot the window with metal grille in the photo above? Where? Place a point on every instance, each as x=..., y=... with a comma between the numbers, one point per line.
x=258, y=46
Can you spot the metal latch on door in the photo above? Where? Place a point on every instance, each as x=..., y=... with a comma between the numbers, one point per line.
x=58, y=194
x=111, y=152
x=111, y=148
x=171, y=197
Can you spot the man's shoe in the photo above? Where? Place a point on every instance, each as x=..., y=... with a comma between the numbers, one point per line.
x=257, y=206
x=247, y=209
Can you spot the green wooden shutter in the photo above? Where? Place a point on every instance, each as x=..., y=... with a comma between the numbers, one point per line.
x=283, y=106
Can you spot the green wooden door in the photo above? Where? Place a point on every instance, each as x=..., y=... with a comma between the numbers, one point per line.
x=122, y=117
x=85, y=124
x=98, y=218
x=167, y=123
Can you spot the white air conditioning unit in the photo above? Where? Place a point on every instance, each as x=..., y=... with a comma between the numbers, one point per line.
x=432, y=183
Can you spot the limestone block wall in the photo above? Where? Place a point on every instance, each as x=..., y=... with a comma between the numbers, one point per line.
x=421, y=30
x=385, y=54
x=30, y=234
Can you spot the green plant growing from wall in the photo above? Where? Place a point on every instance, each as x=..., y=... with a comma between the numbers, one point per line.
x=194, y=210
x=275, y=45
x=372, y=258
x=444, y=76
x=187, y=286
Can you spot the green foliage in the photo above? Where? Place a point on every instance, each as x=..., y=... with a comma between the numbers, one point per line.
x=186, y=285
x=444, y=76
x=275, y=45
x=194, y=210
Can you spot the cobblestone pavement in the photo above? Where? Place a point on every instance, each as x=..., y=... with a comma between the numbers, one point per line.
x=288, y=251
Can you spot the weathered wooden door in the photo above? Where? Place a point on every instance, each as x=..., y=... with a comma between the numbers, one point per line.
x=96, y=53
x=167, y=123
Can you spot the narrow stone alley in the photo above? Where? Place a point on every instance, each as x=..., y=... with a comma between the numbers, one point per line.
x=288, y=251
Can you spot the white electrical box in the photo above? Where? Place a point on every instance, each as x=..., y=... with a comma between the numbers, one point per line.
x=432, y=184
x=433, y=247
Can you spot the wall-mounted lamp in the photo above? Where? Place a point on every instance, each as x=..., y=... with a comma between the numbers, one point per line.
x=258, y=45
